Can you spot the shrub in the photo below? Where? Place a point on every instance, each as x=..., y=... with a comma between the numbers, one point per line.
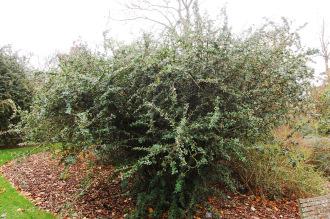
x=320, y=157
x=175, y=112
x=60, y=107
x=323, y=125
x=322, y=100
x=319, y=141
x=15, y=92
x=7, y=112
x=181, y=110
x=274, y=171
x=324, y=120
x=318, y=147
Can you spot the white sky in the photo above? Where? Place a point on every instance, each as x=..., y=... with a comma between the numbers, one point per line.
x=44, y=27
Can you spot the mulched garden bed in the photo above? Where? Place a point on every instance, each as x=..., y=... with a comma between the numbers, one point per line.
x=64, y=191
x=254, y=207
x=83, y=190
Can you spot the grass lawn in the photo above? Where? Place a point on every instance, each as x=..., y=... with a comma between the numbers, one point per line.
x=12, y=204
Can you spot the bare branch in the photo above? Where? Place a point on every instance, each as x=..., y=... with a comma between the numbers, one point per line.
x=144, y=18
x=325, y=51
x=139, y=8
x=164, y=7
x=175, y=15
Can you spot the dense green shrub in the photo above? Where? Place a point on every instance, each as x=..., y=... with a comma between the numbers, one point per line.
x=175, y=112
x=182, y=110
x=7, y=111
x=15, y=92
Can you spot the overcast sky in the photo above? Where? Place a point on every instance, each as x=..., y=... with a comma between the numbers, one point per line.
x=44, y=27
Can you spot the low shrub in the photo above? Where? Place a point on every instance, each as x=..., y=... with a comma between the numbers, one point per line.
x=324, y=126
x=322, y=100
x=320, y=157
x=274, y=171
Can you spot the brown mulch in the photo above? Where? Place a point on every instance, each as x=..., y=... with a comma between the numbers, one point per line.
x=254, y=207
x=65, y=192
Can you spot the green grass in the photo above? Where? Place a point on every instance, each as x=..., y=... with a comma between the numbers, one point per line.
x=10, y=199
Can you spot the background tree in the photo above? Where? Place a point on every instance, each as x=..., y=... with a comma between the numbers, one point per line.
x=325, y=52
x=175, y=17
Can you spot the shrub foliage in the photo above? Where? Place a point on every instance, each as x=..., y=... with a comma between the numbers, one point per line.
x=174, y=112
x=324, y=111
x=15, y=92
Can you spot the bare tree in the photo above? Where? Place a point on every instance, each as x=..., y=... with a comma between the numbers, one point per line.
x=325, y=51
x=176, y=16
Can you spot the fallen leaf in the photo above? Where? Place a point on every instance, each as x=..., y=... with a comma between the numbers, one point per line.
x=20, y=210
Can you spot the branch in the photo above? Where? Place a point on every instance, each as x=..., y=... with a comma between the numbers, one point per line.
x=144, y=18
x=137, y=7
x=324, y=43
